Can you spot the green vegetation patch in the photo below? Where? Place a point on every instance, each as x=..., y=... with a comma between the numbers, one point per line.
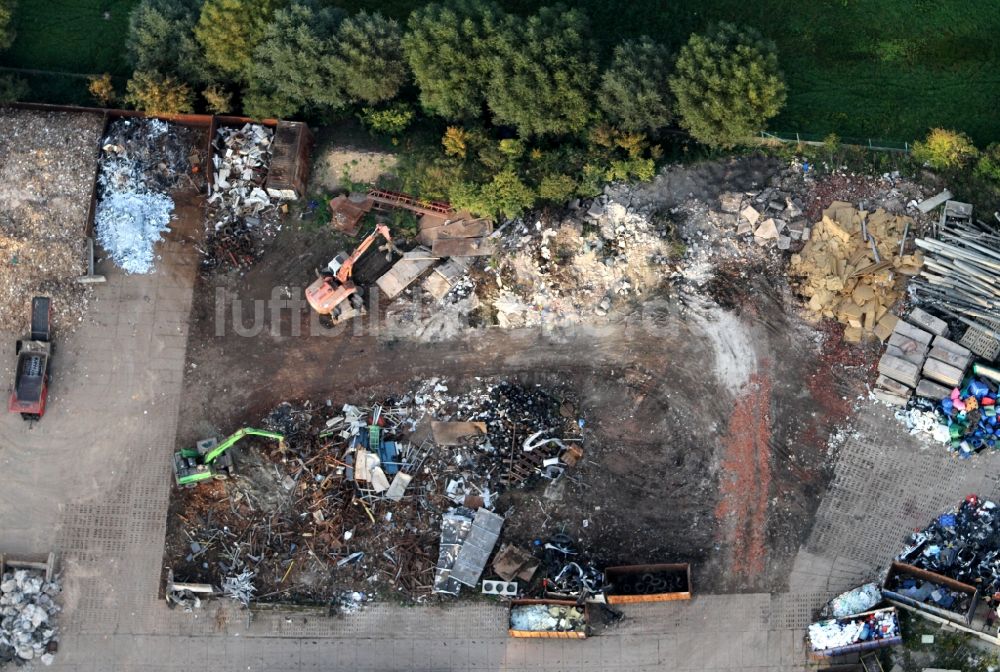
x=84, y=36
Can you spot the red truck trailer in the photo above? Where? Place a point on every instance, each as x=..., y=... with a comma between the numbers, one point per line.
x=34, y=356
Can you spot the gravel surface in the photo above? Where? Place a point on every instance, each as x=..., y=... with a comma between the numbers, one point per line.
x=47, y=168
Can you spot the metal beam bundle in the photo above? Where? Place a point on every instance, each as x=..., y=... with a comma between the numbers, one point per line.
x=961, y=273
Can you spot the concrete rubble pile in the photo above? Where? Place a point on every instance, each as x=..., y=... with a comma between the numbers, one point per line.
x=770, y=217
x=561, y=271
x=240, y=211
x=28, y=608
x=47, y=167
x=361, y=493
x=961, y=544
x=142, y=161
x=853, y=269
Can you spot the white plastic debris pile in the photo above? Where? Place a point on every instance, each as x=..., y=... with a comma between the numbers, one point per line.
x=134, y=211
x=856, y=601
x=241, y=160
x=834, y=634
x=547, y=618
x=27, y=606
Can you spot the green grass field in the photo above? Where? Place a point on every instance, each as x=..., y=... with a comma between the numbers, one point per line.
x=884, y=69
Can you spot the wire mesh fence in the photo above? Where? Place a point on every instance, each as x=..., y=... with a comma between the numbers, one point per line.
x=878, y=144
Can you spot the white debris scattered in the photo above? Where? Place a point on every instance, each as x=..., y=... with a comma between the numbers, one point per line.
x=27, y=608
x=241, y=160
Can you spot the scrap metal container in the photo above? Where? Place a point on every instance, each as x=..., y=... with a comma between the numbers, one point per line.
x=857, y=645
x=900, y=570
x=580, y=633
x=289, y=170
x=663, y=582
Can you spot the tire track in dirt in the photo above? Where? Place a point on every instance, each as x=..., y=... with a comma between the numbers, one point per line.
x=745, y=481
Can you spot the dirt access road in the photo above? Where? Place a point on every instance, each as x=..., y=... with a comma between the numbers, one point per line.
x=706, y=428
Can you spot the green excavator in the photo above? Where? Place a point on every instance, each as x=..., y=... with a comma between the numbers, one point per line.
x=210, y=459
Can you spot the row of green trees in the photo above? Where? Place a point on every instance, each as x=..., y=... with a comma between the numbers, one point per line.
x=528, y=111
x=468, y=59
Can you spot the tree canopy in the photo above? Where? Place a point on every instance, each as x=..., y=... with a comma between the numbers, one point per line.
x=543, y=74
x=727, y=85
x=7, y=23
x=943, y=149
x=635, y=89
x=153, y=92
x=228, y=31
x=161, y=38
x=369, y=60
x=294, y=65
x=449, y=47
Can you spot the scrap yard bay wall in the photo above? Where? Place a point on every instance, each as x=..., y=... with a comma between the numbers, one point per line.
x=294, y=172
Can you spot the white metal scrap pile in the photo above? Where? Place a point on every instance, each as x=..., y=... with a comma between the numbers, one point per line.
x=241, y=160
x=132, y=215
x=27, y=606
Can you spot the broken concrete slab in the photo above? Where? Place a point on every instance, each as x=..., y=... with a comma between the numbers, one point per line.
x=955, y=359
x=929, y=204
x=768, y=230
x=931, y=390
x=444, y=277
x=894, y=386
x=899, y=369
x=750, y=214
x=405, y=271
x=951, y=346
x=890, y=397
x=910, y=331
x=463, y=247
x=928, y=322
x=943, y=373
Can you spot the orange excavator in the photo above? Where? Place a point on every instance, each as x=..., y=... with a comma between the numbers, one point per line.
x=329, y=293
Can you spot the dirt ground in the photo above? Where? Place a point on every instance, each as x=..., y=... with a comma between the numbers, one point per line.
x=706, y=422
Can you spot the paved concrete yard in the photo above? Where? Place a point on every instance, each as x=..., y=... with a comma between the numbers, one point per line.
x=92, y=481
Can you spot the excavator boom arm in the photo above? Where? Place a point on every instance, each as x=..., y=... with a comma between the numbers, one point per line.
x=216, y=452
x=344, y=274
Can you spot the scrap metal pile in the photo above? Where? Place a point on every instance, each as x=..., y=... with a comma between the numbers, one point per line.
x=959, y=282
x=240, y=212
x=963, y=544
x=361, y=495
x=27, y=608
x=931, y=592
x=142, y=162
x=47, y=167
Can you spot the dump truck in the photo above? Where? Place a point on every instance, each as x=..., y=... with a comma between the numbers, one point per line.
x=34, y=358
